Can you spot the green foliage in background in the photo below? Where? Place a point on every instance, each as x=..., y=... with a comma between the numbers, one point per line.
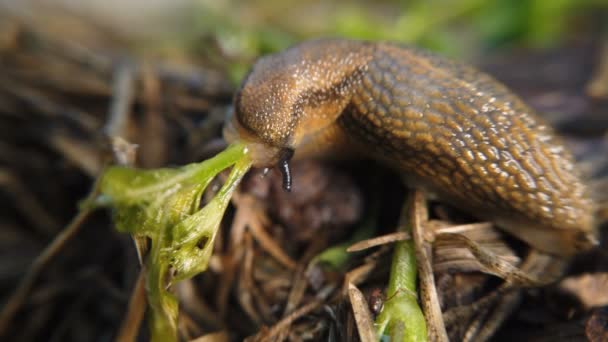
x=244, y=30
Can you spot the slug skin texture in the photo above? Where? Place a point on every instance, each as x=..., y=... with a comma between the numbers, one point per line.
x=445, y=126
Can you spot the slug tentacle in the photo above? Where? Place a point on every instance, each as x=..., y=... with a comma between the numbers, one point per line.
x=284, y=159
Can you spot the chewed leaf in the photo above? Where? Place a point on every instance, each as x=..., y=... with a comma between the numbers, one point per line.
x=128, y=186
x=193, y=238
x=164, y=205
x=135, y=220
x=183, y=204
x=145, y=218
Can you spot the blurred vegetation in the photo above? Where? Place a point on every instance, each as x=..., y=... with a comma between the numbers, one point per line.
x=243, y=30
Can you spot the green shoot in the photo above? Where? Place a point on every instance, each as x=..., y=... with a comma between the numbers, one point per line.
x=401, y=317
x=337, y=256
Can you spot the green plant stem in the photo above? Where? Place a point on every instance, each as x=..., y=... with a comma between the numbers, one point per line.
x=401, y=318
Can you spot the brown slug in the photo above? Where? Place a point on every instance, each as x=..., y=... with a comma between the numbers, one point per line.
x=445, y=126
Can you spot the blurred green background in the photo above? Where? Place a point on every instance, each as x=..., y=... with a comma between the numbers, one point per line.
x=232, y=33
x=465, y=29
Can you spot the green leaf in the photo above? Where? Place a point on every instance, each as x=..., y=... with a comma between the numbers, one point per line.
x=127, y=186
x=164, y=205
x=193, y=238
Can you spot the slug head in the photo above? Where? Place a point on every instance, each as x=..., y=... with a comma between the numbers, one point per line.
x=290, y=96
x=265, y=111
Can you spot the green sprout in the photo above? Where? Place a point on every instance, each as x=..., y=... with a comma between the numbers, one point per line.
x=401, y=317
x=337, y=256
x=163, y=205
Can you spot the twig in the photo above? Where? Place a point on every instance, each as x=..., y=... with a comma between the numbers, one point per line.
x=363, y=317
x=82, y=154
x=122, y=98
x=378, y=241
x=137, y=306
x=270, y=245
x=18, y=297
x=154, y=127
x=249, y=214
x=41, y=103
x=505, y=307
x=246, y=284
x=428, y=291
x=358, y=275
x=300, y=279
x=288, y=320
x=220, y=336
x=27, y=202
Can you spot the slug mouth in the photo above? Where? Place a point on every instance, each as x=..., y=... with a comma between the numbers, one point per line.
x=263, y=154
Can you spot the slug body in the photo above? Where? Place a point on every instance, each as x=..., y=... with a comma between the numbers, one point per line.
x=445, y=126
